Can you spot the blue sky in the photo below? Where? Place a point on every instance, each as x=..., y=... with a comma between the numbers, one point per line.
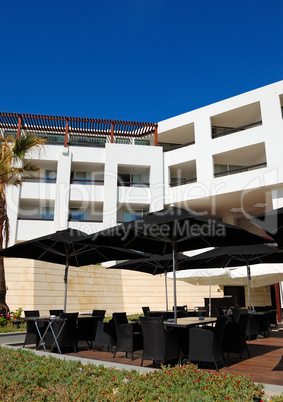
x=143, y=60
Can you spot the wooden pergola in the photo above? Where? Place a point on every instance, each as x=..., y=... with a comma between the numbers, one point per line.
x=79, y=126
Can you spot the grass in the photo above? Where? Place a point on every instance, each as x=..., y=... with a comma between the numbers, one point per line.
x=25, y=376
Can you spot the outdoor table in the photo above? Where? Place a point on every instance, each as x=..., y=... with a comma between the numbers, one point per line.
x=50, y=321
x=187, y=322
x=182, y=328
x=86, y=327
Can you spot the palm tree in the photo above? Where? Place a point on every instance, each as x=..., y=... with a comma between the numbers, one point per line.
x=14, y=166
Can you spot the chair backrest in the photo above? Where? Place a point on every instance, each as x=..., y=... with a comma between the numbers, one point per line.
x=238, y=312
x=219, y=311
x=120, y=318
x=69, y=315
x=145, y=310
x=56, y=312
x=220, y=325
x=99, y=313
x=180, y=308
x=31, y=313
x=153, y=337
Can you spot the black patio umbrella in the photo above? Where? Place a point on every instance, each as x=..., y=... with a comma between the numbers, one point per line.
x=272, y=223
x=223, y=257
x=154, y=265
x=173, y=230
x=62, y=247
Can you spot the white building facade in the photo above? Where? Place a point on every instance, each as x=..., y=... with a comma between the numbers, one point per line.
x=223, y=160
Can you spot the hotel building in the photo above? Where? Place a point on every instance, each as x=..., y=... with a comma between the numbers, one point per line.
x=223, y=161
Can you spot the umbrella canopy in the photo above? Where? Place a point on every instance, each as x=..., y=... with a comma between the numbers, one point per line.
x=238, y=255
x=62, y=247
x=272, y=223
x=176, y=229
x=173, y=230
x=154, y=265
x=204, y=276
x=261, y=275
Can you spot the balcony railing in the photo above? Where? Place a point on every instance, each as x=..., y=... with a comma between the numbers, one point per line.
x=240, y=169
x=235, y=129
x=182, y=182
x=85, y=220
x=132, y=184
x=29, y=218
x=179, y=146
x=42, y=179
x=87, y=181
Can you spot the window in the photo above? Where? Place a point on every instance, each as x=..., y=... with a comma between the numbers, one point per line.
x=129, y=180
x=175, y=181
x=47, y=213
x=228, y=169
x=142, y=142
x=217, y=131
x=130, y=215
x=50, y=176
x=122, y=141
x=78, y=214
x=167, y=146
x=81, y=177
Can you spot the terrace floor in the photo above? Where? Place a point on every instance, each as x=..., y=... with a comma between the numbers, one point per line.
x=265, y=364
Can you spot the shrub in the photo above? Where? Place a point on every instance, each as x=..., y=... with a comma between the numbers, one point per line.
x=28, y=377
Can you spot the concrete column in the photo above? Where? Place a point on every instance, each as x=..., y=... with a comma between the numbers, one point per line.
x=13, y=202
x=62, y=189
x=204, y=162
x=110, y=187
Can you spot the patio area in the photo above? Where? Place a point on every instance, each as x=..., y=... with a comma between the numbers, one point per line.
x=265, y=364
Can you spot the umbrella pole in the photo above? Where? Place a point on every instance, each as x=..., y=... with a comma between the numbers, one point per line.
x=166, y=293
x=175, y=266
x=66, y=284
x=209, y=306
x=249, y=286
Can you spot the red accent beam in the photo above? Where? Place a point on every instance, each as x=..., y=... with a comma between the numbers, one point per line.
x=156, y=136
x=112, y=133
x=66, y=133
x=278, y=304
x=19, y=126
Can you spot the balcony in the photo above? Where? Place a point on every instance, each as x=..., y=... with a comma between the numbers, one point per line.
x=236, y=120
x=240, y=160
x=178, y=137
x=238, y=169
x=183, y=173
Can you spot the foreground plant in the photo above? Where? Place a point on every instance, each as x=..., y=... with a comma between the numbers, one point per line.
x=27, y=377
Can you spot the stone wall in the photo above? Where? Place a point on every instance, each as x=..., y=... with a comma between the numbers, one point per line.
x=39, y=285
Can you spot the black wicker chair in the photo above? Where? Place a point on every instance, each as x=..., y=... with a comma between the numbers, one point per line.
x=204, y=346
x=68, y=335
x=99, y=313
x=145, y=311
x=159, y=344
x=234, y=340
x=56, y=312
x=105, y=335
x=87, y=327
x=219, y=311
x=32, y=336
x=129, y=336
